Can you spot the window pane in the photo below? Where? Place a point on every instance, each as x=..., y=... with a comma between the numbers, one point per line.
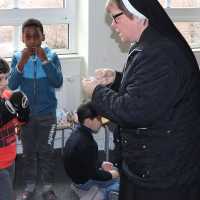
x=181, y=3
x=6, y=4
x=190, y=31
x=32, y=4
x=185, y=3
x=56, y=37
x=6, y=39
x=163, y=3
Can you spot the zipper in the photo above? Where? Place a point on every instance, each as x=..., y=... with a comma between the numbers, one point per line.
x=35, y=90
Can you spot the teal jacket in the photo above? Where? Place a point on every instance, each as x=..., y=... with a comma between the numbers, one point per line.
x=38, y=81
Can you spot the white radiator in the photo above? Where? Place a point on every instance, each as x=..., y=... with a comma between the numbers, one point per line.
x=61, y=95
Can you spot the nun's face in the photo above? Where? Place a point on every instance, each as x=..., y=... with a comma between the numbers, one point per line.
x=128, y=28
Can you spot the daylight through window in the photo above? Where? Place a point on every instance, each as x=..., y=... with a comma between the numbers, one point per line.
x=57, y=16
x=186, y=16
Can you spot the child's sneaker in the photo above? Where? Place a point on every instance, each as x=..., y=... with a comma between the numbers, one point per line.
x=26, y=195
x=49, y=194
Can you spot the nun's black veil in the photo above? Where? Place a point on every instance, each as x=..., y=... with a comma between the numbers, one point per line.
x=159, y=20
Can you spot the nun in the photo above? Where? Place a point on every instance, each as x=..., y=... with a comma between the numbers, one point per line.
x=155, y=101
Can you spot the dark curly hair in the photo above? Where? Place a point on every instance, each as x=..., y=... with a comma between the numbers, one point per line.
x=4, y=67
x=32, y=22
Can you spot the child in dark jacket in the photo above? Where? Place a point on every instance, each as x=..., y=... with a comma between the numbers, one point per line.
x=37, y=71
x=11, y=108
x=80, y=155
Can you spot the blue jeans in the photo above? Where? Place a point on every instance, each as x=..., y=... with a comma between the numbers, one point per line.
x=104, y=186
x=6, y=182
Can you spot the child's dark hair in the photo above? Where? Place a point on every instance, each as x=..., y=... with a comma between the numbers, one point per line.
x=32, y=22
x=4, y=67
x=85, y=111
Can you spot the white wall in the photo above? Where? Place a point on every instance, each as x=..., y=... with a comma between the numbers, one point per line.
x=106, y=47
x=100, y=45
x=72, y=66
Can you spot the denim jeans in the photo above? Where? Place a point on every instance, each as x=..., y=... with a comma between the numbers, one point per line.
x=104, y=186
x=6, y=182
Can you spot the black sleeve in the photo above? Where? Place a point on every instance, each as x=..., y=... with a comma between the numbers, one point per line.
x=115, y=85
x=99, y=163
x=146, y=97
x=90, y=165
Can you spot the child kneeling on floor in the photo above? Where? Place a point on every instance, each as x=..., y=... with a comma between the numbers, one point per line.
x=80, y=156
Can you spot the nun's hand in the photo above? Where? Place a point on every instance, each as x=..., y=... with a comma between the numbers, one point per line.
x=89, y=85
x=105, y=76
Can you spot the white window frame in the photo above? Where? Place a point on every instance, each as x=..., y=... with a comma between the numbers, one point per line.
x=184, y=15
x=65, y=15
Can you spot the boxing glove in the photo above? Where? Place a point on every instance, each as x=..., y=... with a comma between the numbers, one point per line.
x=7, y=111
x=20, y=102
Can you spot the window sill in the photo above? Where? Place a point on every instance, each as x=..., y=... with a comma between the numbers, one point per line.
x=196, y=51
x=70, y=57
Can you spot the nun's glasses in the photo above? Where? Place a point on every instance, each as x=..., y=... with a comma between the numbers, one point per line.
x=115, y=16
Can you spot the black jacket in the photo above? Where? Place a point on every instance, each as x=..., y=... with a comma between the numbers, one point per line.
x=80, y=157
x=153, y=102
